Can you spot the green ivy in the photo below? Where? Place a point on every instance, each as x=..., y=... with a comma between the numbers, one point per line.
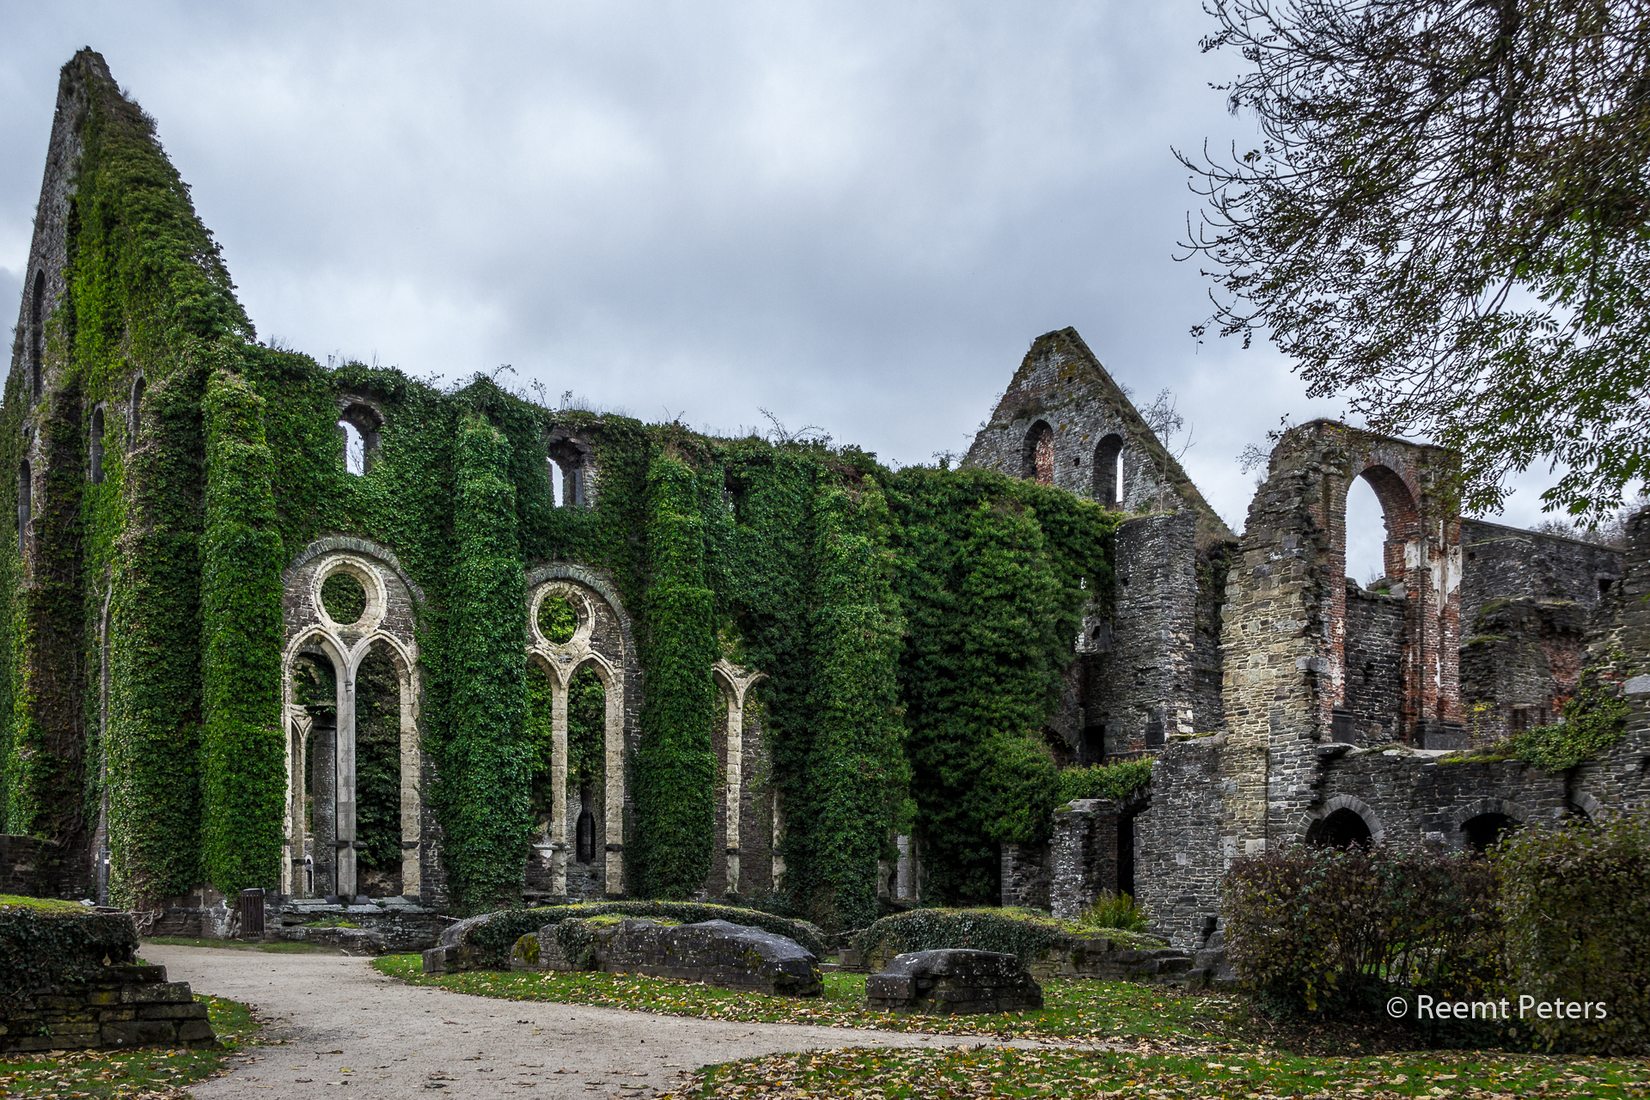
x=676, y=772
x=1118, y=781
x=242, y=747
x=485, y=774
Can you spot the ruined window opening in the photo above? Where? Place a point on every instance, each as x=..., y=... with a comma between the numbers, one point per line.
x=1342, y=829
x=95, y=471
x=37, y=337
x=1483, y=831
x=378, y=780
x=1039, y=454
x=1108, y=471
x=1366, y=534
x=355, y=449
x=570, y=473
x=25, y=505
x=585, y=845
x=135, y=412
x=359, y=425
x=557, y=483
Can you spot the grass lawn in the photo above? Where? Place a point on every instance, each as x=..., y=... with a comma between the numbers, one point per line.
x=151, y=1072
x=1084, y=1010
x=1168, y=1043
x=987, y=1071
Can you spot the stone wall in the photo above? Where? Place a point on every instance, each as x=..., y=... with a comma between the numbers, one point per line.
x=1178, y=853
x=1026, y=875
x=1083, y=855
x=124, y=1005
x=1375, y=644
x=37, y=868
x=1142, y=684
x=75, y=984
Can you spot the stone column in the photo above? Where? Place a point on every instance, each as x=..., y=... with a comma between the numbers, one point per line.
x=344, y=755
x=735, y=785
x=558, y=787
x=613, y=800
x=411, y=801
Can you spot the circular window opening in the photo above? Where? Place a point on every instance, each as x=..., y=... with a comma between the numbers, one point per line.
x=558, y=620
x=343, y=598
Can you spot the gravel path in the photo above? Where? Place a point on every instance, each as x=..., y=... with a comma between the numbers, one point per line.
x=335, y=1027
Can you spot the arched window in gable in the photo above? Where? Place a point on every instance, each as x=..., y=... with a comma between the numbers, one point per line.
x=1038, y=462
x=1108, y=471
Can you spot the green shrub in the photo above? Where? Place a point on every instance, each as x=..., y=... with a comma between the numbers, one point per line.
x=1114, y=911
x=1576, y=906
x=495, y=934
x=1323, y=930
x=1023, y=932
x=1114, y=781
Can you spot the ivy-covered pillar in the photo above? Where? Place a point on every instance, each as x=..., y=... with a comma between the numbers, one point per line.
x=857, y=775
x=483, y=784
x=243, y=757
x=676, y=780
x=155, y=655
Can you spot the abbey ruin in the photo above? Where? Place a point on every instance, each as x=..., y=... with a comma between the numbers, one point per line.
x=334, y=633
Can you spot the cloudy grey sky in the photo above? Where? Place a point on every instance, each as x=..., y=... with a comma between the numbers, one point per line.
x=855, y=215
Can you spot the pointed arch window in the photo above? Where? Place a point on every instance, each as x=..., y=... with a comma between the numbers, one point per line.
x=1108, y=471
x=1038, y=462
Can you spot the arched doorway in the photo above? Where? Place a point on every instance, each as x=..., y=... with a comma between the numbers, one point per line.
x=1342, y=828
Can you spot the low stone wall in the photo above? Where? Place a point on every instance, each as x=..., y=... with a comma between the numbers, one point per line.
x=714, y=952
x=954, y=982
x=391, y=926
x=68, y=980
x=124, y=1005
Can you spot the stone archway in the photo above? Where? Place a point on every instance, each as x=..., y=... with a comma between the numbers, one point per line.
x=321, y=810
x=574, y=622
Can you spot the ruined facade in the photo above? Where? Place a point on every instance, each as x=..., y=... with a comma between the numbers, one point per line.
x=1342, y=714
x=333, y=633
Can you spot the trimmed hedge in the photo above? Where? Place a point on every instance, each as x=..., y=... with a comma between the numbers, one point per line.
x=1576, y=905
x=1026, y=933
x=492, y=936
x=1325, y=930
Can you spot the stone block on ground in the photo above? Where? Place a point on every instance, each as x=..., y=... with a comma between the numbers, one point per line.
x=715, y=952
x=954, y=981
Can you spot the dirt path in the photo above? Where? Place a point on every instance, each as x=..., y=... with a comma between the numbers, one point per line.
x=336, y=1027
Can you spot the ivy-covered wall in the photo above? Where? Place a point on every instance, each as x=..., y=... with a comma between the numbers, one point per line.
x=913, y=625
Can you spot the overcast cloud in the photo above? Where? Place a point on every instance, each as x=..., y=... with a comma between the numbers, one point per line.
x=856, y=216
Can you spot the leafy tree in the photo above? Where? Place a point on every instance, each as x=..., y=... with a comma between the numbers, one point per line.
x=1447, y=219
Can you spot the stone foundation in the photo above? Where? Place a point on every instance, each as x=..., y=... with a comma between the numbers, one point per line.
x=954, y=982
x=126, y=1005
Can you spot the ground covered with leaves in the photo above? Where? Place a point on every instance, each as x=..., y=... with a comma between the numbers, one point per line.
x=155, y=1073
x=1143, y=1041
x=995, y=1071
x=1087, y=1011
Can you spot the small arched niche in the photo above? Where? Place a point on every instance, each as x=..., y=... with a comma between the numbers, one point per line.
x=1037, y=464
x=134, y=408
